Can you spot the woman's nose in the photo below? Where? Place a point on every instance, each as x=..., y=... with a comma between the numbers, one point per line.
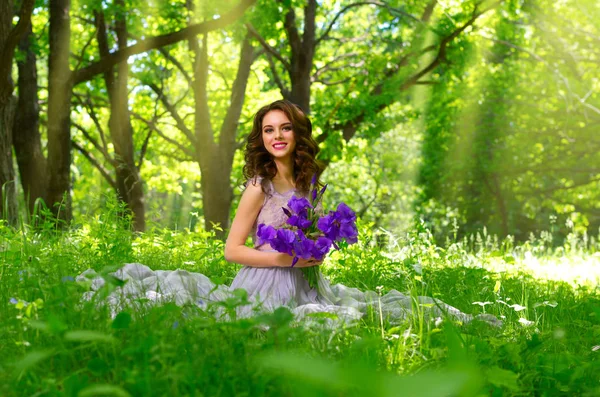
x=278, y=133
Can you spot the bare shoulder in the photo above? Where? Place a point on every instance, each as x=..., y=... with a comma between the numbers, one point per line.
x=253, y=193
x=250, y=205
x=254, y=186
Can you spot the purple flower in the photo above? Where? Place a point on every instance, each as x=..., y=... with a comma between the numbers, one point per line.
x=64, y=279
x=329, y=226
x=299, y=221
x=323, y=190
x=299, y=204
x=345, y=214
x=265, y=233
x=14, y=301
x=303, y=247
x=295, y=260
x=284, y=241
x=321, y=248
x=286, y=211
x=349, y=232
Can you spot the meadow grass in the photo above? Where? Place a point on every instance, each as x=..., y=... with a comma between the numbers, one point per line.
x=54, y=344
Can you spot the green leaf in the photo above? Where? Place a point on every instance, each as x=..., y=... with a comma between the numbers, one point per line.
x=122, y=321
x=88, y=336
x=103, y=390
x=31, y=359
x=502, y=378
x=326, y=377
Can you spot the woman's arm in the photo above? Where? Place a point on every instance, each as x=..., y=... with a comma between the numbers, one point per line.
x=235, y=248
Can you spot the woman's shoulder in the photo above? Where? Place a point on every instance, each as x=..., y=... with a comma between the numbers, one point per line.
x=255, y=180
x=259, y=184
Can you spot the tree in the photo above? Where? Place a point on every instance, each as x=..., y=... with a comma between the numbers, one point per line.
x=26, y=129
x=366, y=63
x=127, y=182
x=519, y=150
x=212, y=152
x=49, y=179
x=60, y=87
x=9, y=39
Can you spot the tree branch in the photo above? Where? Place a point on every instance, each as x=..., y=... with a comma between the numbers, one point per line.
x=172, y=141
x=284, y=91
x=238, y=93
x=144, y=149
x=292, y=32
x=95, y=143
x=309, y=34
x=7, y=52
x=350, y=126
x=85, y=47
x=329, y=66
x=96, y=164
x=173, y=112
x=573, y=186
x=362, y=3
x=223, y=77
x=175, y=157
x=156, y=42
x=177, y=64
x=203, y=128
x=90, y=109
x=335, y=82
x=268, y=48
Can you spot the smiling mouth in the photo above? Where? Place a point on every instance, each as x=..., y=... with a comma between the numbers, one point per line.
x=279, y=145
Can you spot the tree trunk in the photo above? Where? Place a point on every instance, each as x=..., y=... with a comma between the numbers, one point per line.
x=217, y=195
x=302, y=54
x=8, y=201
x=26, y=133
x=216, y=160
x=59, y=111
x=8, y=204
x=129, y=183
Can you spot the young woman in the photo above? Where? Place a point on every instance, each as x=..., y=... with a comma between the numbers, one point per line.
x=280, y=162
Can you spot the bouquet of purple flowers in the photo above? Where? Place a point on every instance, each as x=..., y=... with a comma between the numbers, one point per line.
x=309, y=235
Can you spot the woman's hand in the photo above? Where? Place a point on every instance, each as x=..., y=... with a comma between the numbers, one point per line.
x=285, y=260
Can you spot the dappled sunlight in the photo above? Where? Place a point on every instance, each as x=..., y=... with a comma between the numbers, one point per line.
x=575, y=269
x=463, y=134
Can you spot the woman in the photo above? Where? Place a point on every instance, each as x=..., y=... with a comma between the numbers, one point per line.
x=280, y=162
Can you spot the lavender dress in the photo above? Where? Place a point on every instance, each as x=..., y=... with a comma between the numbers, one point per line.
x=272, y=287
x=268, y=288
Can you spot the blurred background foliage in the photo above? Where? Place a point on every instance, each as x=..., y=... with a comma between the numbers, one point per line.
x=468, y=114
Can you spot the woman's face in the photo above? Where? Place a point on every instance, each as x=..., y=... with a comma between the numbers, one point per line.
x=278, y=134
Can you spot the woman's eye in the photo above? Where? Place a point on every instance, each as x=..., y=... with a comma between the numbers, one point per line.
x=268, y=130
x=287, y=128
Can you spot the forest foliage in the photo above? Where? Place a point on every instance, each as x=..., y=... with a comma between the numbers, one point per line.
x=468, y=114
x=462, y=132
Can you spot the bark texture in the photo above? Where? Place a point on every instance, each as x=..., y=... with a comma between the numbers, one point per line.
x=128, y=180
x=215, y=159
x=59, y=110
x=26, y=132
x=9, y=38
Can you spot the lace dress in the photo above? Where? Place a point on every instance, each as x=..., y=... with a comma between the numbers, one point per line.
x=269, y=287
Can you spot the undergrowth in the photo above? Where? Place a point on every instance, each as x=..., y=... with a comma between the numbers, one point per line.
x=55, y=344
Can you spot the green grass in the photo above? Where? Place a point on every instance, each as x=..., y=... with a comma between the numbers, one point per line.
x=53, y=344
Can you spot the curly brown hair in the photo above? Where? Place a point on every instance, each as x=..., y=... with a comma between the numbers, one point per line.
x=260, y=163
